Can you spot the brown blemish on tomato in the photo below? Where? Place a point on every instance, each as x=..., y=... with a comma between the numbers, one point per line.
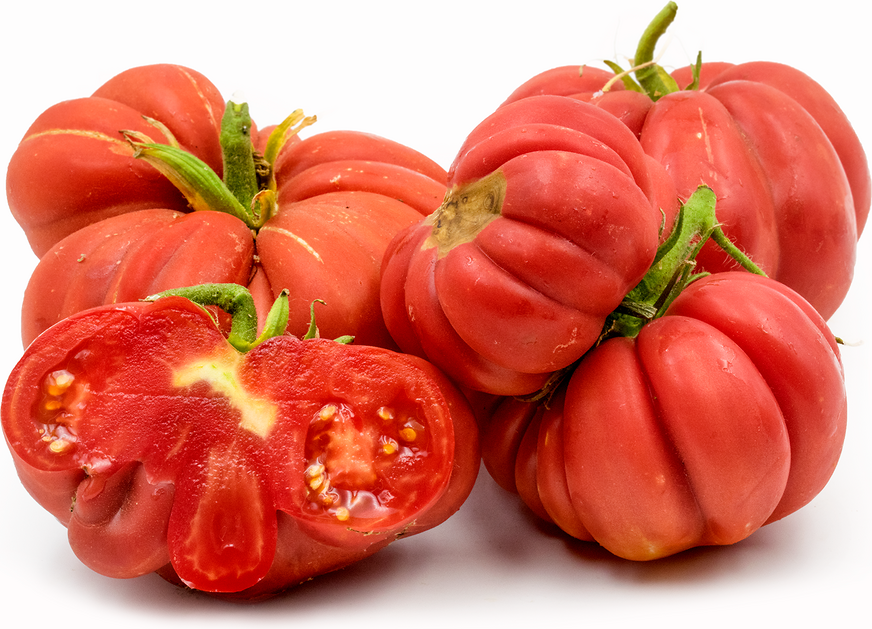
x=465, y=212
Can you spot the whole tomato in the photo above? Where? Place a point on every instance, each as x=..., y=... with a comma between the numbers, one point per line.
x=792, y=178
x=238, y=465
x=722, y=412
x=552, y=215
x=114, y=221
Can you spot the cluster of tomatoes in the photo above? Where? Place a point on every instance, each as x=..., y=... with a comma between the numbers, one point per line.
x=616, y=297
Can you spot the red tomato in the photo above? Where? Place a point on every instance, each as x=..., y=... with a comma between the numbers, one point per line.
x=74, y=168
x=723, y=415
x=792, y=179
x=586, y=83
x=342, y=196
x=782, y=186
x=163, y=448
x=545, y=196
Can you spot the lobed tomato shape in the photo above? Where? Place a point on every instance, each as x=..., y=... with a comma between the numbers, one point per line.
x=161, y=447
x=116, y=229
x=792, y=178
x=725, y=414
x=551, y=217
x=766, y=147
x=74, y=168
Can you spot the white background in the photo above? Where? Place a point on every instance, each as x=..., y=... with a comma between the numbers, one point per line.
x=425, y=74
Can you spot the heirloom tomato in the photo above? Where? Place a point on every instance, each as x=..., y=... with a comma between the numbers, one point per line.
x=792, y=178
x=722, y=411
x=551, y=217
x=235, y=465
x=312, y=215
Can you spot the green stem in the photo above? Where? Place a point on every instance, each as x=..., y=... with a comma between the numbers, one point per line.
x=655, y=81
x=201, y=186
x=240, y=174
x=673, y=267
x=241, y=193
x=236, y=301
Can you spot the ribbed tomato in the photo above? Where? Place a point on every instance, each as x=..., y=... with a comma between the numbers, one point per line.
x=551, y=217
x=104, y=212
x=725, y=414
x=792, y=178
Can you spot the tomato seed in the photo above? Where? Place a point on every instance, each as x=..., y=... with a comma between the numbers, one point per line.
x=408, y=434
x=59, y=381
x=385, y=413
x=60, y=446
x=327, y=412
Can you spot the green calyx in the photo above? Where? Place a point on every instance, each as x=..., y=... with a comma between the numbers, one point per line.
x=248, y=190
x=673, y=268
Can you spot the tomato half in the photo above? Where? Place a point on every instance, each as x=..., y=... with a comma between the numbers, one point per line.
x=163, y=448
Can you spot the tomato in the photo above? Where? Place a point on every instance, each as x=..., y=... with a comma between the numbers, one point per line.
x=791, y=175
x=123, y=230
x=74, y=168
x=545, y=196
x=587, y=83
x=711, y=405
x=725, y=414
x=162, y=447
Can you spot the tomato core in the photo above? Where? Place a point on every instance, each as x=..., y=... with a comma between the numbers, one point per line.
x=221, y=374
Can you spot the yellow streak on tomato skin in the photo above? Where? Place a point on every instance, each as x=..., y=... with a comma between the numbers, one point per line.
x=257, y=415
x=118, y=145
x=289, y=234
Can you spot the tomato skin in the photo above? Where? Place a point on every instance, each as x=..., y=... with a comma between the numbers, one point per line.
x=181, y=98
x=572, y=203
x=330, y=247
x=340, y=146
x=696, y=139
x=812, y=97
x=136, y=235
x=782, y=189
x=646, y=472
x=144, y=419
x=110, y=511
x=810, y=208
x=747, y=148
x=131, y=256
x=106, y=182
x=565, y=81
x=93, y=174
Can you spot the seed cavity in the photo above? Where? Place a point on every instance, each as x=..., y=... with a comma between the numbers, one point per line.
x=57, y=411
x=347, y=455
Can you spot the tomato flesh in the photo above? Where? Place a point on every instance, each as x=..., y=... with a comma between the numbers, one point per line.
x=355, y=443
